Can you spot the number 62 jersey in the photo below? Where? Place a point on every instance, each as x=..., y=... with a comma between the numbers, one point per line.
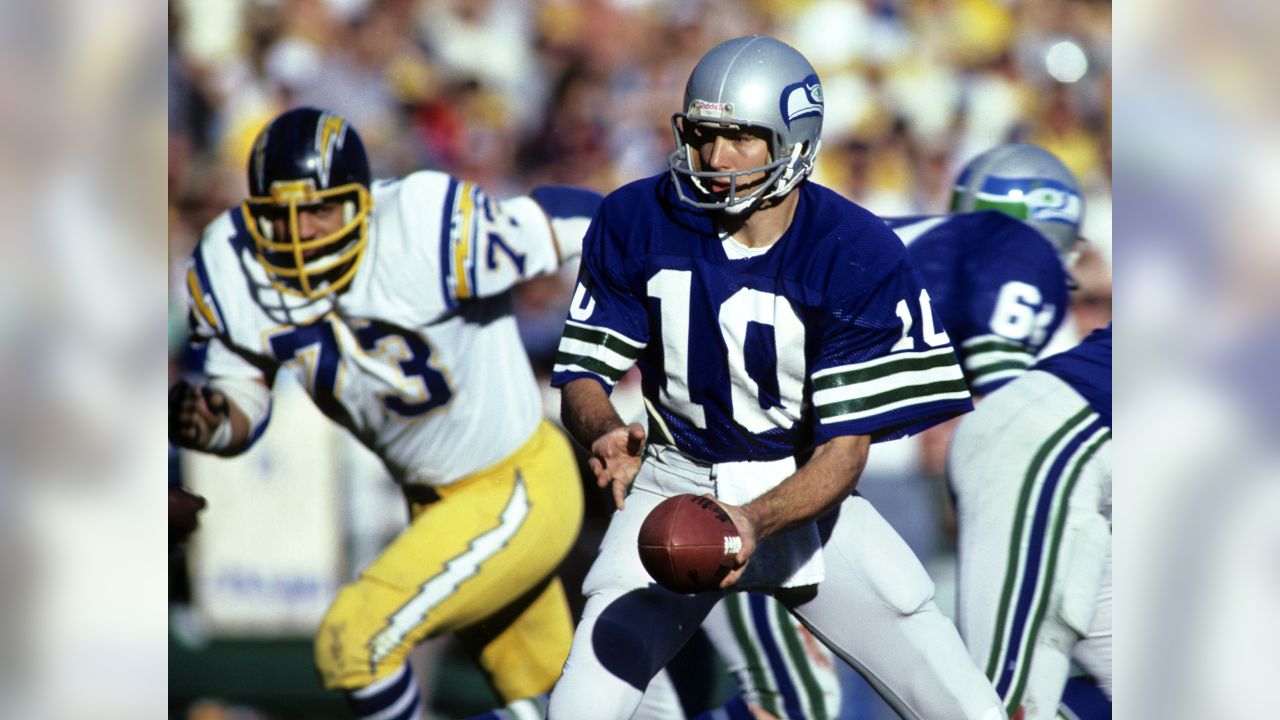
x=998, y=285
x=757, y=355
x=419, y=357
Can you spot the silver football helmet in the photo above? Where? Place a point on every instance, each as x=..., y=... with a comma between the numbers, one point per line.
x=755, y=83
x=1029, y=183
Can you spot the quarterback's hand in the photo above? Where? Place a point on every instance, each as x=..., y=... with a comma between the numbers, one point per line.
x=195, y=414
x=747, y=531
x=616, y=457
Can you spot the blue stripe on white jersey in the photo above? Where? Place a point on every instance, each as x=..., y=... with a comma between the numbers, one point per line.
x=1039, y=525
x=202, y=294
x=461, y=228
x=202, y=288
x=446, y=244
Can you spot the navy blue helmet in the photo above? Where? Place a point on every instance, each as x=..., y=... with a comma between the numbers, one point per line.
x=304, y=161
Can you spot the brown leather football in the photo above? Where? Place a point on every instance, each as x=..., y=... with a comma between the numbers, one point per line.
x=688, y=544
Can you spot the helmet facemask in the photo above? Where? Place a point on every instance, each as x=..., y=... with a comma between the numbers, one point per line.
x=317, y=266
x=786, y=167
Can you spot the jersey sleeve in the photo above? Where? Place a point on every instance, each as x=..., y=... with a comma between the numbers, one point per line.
x=210, y=343
x=494, y=245
x=607, y=325
x=204, y=313
x=884, y=366
x=1015, y=303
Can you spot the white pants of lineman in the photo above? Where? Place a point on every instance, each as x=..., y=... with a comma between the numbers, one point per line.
x=1031, y=473
x=875, y=610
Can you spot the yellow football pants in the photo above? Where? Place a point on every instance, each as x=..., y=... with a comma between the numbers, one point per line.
x=478, y=562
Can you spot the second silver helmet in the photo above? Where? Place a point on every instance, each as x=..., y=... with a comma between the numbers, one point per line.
x=1029, y=183
x=759, y=83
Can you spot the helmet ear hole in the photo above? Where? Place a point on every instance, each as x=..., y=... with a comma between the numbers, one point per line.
x=684, y=131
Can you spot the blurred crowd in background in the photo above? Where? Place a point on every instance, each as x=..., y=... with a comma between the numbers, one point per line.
x=513, y=94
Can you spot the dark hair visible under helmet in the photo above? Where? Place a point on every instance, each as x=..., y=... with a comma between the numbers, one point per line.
x=307, y=157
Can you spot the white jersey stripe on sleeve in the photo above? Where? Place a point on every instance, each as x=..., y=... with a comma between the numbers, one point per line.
x=883, y=360
x=888, y=383
x=889, y=407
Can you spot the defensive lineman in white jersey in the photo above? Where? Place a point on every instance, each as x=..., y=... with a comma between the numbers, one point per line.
x=389, y=302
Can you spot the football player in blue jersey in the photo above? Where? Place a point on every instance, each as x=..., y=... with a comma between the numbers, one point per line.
x=997, y=270
x=390, y=303
x=996, y=267
x=780, y=330
x=1031, y=474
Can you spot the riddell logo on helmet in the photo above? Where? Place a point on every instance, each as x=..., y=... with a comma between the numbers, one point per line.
x=707, y=109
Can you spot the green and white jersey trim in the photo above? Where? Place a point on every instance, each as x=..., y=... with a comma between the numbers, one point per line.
x=596, y=350
x=992, y=358
x=852, y=392
x=786, y=683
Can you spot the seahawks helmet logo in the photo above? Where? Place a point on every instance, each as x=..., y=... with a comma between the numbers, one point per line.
x=1053, y=204
x=802, y=99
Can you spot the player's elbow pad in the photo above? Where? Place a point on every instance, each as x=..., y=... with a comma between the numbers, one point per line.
x=569, y=211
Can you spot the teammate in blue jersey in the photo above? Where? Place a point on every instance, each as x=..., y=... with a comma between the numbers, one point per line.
x=389, y=301
x=996, y=267
x=1031, y=474
x=779, y=330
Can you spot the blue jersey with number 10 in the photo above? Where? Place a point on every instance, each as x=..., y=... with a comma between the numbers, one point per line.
x=747, y=356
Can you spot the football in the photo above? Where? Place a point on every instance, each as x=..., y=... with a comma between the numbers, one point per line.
x=688, y=544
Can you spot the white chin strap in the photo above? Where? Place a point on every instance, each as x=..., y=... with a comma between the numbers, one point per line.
x=789, y=179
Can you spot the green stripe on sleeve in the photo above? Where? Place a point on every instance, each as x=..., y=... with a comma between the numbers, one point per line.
x=906, y=364
x=603, y=339
x=590, y=364
x=994, y=344
x=923, y=392
x=999, y=367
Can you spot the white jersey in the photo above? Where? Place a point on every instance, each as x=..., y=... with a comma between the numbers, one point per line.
x=420, y=356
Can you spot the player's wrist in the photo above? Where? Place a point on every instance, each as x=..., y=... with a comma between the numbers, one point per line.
x=754, y=517
x=603, y=432
x=220, y=439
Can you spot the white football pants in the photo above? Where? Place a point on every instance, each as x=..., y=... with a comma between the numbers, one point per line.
x=874, y=609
